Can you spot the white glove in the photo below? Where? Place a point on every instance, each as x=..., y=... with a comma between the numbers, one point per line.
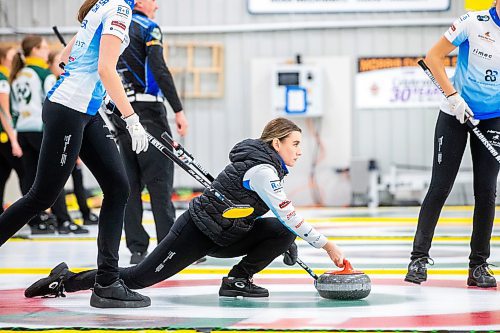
x=137, y=133
x=458, y=107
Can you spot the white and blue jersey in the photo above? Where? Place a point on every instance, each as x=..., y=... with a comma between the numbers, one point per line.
x=263, y=179
x=477, y=76
x=80, y=87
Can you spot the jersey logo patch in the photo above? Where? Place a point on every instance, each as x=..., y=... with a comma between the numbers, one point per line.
x=153, y=42
x=483, y=18
x=119, y=24
x=464, y=17
x=98, y=5
x=486, y=37
x=276, y=185
x=156, y=33
x=123, y=11
x=284, y=204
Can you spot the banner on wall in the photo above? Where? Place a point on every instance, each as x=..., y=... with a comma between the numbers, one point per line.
x=396, y=82
x=344, y=6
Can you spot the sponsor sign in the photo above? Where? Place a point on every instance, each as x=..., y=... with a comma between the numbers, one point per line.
x=345, y=6
x=396, y=82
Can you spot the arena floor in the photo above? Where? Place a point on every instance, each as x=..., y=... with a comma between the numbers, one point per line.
x=376, y=241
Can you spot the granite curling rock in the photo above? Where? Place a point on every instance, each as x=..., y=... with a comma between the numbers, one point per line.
x=346, y=284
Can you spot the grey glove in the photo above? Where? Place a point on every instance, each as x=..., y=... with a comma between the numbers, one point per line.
x=290, y=256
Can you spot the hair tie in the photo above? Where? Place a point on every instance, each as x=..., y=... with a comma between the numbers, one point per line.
x=21, y=55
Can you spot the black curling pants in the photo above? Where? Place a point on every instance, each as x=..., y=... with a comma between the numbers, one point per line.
x=31, y=143
x=67, y=134
x=450, y=140
x=150, y=169
x=185, y=244
x=8, y=162
x=79, y=191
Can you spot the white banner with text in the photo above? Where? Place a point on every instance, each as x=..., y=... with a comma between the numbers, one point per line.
x=344, y=6
x=396, y=82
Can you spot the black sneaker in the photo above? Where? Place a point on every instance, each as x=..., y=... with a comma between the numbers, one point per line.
x=481, y=276
x=117, y=295
x=67, y=227
x=42, y=228
x=137, y=257
x=47, y=217
x=92, y=219
x=417, y=270
x=232, y=287
x=51, y=286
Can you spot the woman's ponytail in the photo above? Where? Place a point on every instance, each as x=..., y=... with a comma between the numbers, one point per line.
x=27, y=45
x=17, y=65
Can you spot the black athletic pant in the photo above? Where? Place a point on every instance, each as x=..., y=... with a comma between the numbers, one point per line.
x=67, y=134
x=31, y=143
x=79, y=191
x=8, y=162
x=185, y=244
x=449, y=144
x=149, y=169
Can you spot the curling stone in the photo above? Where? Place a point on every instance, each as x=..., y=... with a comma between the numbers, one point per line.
x=346, y=284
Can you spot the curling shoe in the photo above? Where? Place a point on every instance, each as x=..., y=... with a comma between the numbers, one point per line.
x=417, y=270
x=117, y=295
x=233, y=287
x=481, y=276
x=49, y=286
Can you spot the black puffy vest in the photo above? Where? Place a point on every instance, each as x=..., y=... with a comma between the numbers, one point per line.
x=206, y=210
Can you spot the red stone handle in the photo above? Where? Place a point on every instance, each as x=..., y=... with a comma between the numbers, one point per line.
x=346, y=270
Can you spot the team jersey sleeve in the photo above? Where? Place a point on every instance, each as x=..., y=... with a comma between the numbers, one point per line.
x=161, y=73
x=48, y=83
x=263, y=179
x=4, y=87
x=116, y=21
x=459, y=30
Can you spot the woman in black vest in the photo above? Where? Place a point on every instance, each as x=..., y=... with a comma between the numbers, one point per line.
x=253, y=178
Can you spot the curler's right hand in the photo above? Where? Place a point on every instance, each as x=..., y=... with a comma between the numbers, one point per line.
x=335, y=253
x=458, y=107
x=137, y=133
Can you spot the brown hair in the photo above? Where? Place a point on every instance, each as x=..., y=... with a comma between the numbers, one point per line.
x=27, y=45
x=85, y=8
x=278, y=128
x=52, y=56
x=3, y=52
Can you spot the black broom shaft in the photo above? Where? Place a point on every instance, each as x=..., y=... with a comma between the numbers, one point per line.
x=59, y=36
x=307, y=269
x=158, y=145
x=63, y=42
x=165, y=136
